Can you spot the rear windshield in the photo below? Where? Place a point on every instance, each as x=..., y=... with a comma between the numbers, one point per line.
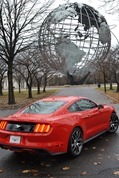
x=44, y=107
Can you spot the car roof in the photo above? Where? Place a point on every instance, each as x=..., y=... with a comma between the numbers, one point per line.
x=63, y=98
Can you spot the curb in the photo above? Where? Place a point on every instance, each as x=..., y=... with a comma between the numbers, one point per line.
x=111, y=98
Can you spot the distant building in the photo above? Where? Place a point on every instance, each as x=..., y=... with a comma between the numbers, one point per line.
x=15, y=83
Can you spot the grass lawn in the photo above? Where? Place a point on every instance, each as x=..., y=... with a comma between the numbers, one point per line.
x=22, y=98
x=111, y=93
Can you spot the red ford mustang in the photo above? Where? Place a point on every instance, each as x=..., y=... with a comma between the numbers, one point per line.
x=57, y=125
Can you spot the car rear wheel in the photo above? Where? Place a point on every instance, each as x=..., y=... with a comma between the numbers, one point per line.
x=75, y=142
x=114, y=123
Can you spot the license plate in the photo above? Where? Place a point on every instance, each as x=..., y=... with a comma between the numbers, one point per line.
x=15, y=139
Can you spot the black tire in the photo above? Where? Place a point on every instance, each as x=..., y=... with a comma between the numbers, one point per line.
x=114, y=123
x=75, y=142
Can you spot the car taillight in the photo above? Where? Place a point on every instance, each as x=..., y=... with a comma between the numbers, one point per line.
x=42, y=128
x=3, y=125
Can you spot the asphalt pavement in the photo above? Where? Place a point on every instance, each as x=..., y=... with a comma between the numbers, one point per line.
x=99, y=157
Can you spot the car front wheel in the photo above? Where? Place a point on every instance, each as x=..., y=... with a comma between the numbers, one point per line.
x=75, y=142
x=114, y=123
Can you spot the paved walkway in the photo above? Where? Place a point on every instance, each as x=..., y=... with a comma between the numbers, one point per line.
x=7, y=112
x=89, y=92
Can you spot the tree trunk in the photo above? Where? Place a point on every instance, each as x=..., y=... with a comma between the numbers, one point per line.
x=104, y=82
x=11, y=98
x=105, y=90
x=44, y=88
x=117, y=87
x=111, y=87
x=29, y=91
x=38, y=87
x=45, y=83
x=1, y=93
x=19, y=83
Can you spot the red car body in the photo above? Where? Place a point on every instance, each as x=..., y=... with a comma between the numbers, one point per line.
x=52, y=131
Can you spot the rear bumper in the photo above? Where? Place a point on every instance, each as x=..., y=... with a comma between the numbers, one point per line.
x=54, y=150
x=20, y=149
x=50, y=143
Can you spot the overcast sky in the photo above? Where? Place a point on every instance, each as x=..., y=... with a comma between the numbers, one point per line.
x=112, y=20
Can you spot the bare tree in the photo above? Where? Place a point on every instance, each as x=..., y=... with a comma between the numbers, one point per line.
x=38, y=78
x=48, y=73
x=101, y=67
x=19, y=24
x=3, y=69
x=111, y=6
x=38, y=74
x=18, y=75
x=115, y=65
x=27, y=67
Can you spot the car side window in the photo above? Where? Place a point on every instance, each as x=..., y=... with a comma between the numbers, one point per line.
x=85, y=104
x=74, y=108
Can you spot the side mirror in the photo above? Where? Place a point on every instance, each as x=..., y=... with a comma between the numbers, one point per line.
x=100, y=106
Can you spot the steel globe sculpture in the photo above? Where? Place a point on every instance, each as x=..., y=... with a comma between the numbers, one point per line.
x=72, y=35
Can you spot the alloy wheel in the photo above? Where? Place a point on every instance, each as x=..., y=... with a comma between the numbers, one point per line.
x=114, y=123
x=75, y=142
